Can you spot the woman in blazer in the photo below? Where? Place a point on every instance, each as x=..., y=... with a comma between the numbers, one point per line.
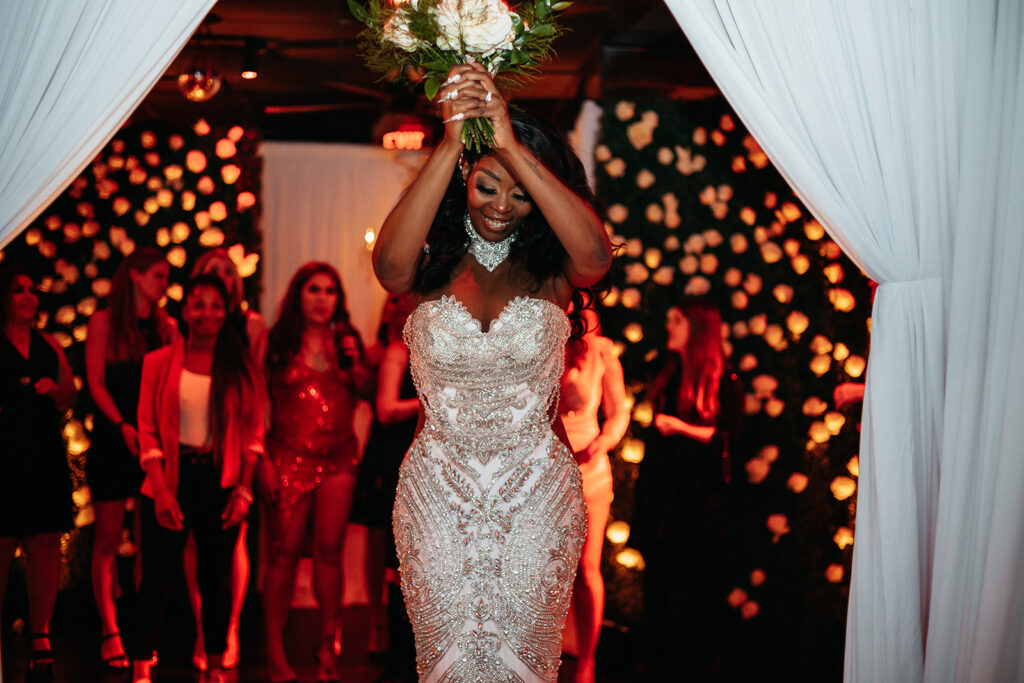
x=200, y=436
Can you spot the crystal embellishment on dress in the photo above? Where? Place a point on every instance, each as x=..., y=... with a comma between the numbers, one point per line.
x=488, y=254
x=489, y=515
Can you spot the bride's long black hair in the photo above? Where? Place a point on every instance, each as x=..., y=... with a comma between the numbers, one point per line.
x=535, y=246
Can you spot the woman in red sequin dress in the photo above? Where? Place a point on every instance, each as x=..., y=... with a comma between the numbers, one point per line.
x=315, y=370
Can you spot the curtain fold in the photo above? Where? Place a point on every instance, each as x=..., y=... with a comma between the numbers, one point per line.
x=976, y=624
x=897, y=123
x=71, y=72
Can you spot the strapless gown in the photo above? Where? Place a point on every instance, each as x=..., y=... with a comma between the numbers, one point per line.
x=489, y=518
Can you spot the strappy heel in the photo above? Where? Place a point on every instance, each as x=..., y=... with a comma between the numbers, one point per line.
x=41, y=662
x=116, y=663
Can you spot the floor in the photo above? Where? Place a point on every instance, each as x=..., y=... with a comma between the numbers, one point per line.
x=77, y=654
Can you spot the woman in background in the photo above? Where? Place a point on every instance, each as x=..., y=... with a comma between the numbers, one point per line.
x=252, y=328
x=119, y=335
x=396, y=408
x=315, y=372
x=592, y=380
x=200, y=436
x=679, y=523
x=35, y=482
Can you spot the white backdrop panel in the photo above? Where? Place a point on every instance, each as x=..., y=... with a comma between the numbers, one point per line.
x=319, y=200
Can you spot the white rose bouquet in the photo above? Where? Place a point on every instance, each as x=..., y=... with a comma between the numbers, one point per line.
x=420, y=40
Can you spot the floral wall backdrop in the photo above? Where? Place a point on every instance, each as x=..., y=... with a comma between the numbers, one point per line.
x=699, y=210
x=182, y=191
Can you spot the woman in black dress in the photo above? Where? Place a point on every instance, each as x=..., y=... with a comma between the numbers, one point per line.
x=119, y=336
x=679, y=524
x=35, y=481
x=396, y=408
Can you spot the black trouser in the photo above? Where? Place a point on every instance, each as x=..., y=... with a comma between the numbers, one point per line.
x=202, y=501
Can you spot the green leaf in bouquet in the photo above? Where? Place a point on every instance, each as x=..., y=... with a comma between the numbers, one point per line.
x=374, y=8
x=517, y=22
x=431, y=86
x=437, y=65
x=541, y=9
x=357, y=11
x=543, y=30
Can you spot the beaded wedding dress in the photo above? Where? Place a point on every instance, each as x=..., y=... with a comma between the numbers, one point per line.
x=489, y=519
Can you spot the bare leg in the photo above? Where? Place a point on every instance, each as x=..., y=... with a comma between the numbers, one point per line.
x=109, y=523
x=195, y=598
x=42, y=573
x=333, y=498
x=588, y=590
x=239, y=584
x=279, y=583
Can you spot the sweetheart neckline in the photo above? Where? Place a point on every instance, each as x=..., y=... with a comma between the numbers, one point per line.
x=508, y=306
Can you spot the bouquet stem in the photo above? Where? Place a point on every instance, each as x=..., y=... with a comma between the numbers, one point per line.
x=478, y=135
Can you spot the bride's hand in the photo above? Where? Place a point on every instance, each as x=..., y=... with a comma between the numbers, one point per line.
x=470, y=93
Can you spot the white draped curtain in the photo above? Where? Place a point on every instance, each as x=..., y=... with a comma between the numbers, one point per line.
x=901, y=125
x=71, y=72
x=319, y=200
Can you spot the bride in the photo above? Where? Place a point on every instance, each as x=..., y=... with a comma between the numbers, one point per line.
x=489, y=518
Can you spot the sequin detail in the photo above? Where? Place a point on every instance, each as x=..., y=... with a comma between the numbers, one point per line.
x=311, y=437
x=489, y=518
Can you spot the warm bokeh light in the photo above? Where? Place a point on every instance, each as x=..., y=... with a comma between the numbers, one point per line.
x=230, y=173
x=820, y=364
x=853, y=466
x=617, y=532
x=177, y=257
x=843, y=487
x=630, y=558
x=195, y=161
x=814, y=406
x=834, y=421
x=225, y=149
x=843, y=537
x=246, y=200
x=633, y=449
x=819, y=432
x=778, y=524
x=797, y=482
x=854, y=366
x=634, y=332
x=211, y=237
x=834, y=573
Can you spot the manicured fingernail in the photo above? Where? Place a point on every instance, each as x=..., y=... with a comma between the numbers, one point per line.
x=488, y=97
x=454, y=78
x=456, y=117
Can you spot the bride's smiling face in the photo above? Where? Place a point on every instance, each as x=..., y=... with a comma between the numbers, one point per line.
x=497, y=204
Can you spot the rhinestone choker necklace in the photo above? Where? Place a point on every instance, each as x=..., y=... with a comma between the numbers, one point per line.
x=490, y=255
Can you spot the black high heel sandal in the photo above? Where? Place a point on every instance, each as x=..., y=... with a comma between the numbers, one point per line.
x=115, y=663
x=41, y=662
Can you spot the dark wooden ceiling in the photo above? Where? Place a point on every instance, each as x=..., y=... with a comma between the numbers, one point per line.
x=312, y=84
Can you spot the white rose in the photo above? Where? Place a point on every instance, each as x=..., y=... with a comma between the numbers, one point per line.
x=396, y=31
x=481, y=27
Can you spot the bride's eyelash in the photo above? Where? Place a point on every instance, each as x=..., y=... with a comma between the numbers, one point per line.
x=491, y=192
